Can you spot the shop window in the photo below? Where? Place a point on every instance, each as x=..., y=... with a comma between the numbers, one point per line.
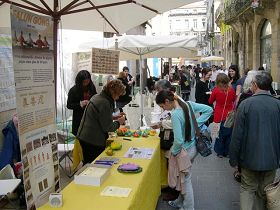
x=266, y=45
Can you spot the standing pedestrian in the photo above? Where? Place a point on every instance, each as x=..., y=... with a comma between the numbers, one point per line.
x=255, y=142
x=79, y=96
x=224, y=96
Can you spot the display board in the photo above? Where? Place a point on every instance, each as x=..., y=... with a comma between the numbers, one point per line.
x=33, y=62
x=105, y=61
x=7, y=84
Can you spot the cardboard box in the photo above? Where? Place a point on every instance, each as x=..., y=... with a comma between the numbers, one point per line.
x=92, y=174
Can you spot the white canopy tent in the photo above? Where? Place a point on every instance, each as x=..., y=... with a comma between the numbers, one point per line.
x=116, y=16
x=212, y=58
x=139, y=47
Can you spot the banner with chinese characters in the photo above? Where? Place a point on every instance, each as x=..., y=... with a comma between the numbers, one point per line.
x=33, y=61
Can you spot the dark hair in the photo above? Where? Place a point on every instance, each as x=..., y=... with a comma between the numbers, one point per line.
x=261, y=68
x=205, y=71
x=173, y=89
x=166, y=94
x=237, y=74
x=81, y=76
x=125, y=68
x=263, y=80
x=163, y=84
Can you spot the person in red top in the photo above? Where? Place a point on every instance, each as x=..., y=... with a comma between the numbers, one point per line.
x=224, y=96
x=39, y=42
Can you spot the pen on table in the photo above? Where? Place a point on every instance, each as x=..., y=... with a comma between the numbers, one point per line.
x=127, y=139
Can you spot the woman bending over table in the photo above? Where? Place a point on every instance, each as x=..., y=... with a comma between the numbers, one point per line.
x=97, y=120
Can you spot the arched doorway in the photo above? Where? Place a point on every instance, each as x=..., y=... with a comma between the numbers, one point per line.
x=266, y=46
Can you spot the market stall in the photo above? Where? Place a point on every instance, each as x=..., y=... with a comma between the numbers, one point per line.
x=145, y=186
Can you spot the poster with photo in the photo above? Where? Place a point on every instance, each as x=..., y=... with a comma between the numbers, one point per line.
x=33, y=63
x=7, y=83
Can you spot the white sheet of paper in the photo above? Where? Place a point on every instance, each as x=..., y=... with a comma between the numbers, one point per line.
x=115, y=191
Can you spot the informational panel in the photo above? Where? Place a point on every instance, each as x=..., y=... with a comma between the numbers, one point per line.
x=105, y=61
x=7, y=84
x=33, y=62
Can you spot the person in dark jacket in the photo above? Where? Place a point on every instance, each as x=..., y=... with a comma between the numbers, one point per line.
x=10, y=153
x=97, y=120
x=129, y=79
x=124, y=99
x=255, y=144
x=202, y=88
x=79, y=96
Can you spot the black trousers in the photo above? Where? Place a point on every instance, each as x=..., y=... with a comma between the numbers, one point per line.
x=90, y=152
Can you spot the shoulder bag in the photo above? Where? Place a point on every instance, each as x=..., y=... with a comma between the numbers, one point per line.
x=166, y=138
x=203, y=140
x=216, y=126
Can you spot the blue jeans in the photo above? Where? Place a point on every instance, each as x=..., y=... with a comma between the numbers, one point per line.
x=186, y=201
x=221, y=146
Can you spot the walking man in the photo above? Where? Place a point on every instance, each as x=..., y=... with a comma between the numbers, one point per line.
x=255, y=144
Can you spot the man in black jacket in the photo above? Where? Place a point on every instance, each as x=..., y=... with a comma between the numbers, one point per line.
x=255, y=144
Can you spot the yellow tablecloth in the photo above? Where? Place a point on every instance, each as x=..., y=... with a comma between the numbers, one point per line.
x=145, y=185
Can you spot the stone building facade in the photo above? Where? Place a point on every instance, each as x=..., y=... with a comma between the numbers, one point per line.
x=251, y=34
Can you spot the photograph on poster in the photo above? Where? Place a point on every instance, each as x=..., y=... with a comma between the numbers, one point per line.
x=29, y=197
x=56, y=178
x=57, y=188
x=31, y=41
x=25, y=162
x=23, y=152
x=55, y=157
x=45, y=181
x=55, y=167
x=52, y=137
x=36, y=143
x=54, y=148
x=41, y=188
x=29, y=147
x=45, y=140
x=26, y=173
x=27, y=185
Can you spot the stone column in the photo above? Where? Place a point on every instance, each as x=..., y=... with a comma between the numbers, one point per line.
x=275, y=63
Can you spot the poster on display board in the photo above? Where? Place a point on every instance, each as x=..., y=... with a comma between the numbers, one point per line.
x=33, y=62
x=105, y=61
x=7, y=84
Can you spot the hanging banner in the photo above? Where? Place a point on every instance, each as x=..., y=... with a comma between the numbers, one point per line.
x=32, y=44
x=7, y=84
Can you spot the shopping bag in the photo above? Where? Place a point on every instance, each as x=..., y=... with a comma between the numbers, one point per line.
x=215, y=130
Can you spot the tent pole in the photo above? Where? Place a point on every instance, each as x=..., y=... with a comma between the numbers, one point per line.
x=55, y=35
x=141, y=91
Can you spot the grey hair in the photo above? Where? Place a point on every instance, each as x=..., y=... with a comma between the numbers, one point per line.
x=249, y=79
x=163, y=84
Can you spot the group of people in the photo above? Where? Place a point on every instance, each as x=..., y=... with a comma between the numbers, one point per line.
x=92, y=112
x=21, y=41
x=252, y=144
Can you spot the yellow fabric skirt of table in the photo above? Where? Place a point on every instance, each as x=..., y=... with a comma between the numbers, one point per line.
x=145, y=185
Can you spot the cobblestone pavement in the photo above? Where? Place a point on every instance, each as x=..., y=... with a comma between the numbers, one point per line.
x=213, y=184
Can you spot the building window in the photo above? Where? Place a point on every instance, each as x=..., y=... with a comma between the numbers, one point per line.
x=266, y=45
x=187, y=23
x=203, y=22
x=194, y=23
x=195, y=34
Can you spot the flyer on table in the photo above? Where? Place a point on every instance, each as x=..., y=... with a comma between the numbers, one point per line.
x=33, y=62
